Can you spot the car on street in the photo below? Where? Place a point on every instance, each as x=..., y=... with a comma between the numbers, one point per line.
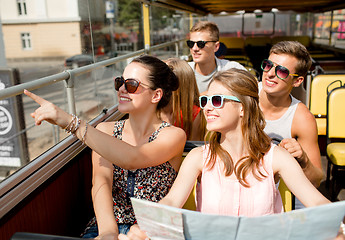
x=78, y=61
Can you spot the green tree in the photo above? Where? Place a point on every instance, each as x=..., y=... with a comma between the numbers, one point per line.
x=129, y=12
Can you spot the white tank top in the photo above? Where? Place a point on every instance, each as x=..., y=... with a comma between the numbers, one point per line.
x=281, y=128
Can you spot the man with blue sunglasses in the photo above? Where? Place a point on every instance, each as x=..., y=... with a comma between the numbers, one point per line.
x=203, y=44
x=288, y=121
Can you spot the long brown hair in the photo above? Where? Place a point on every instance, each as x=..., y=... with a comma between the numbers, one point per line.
x=244, y=86
x=185, y=97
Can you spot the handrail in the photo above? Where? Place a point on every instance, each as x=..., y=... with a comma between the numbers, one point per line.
x=49, y=80
x=42, y=82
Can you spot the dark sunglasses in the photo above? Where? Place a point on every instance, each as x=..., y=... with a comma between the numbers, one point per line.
x=200, y=44
x=131, y=84
x=217, y=101
x=280, y=71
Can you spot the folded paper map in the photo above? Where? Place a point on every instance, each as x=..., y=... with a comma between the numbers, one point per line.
x=164, y=222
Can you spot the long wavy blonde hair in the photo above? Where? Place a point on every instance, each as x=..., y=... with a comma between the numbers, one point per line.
x=185, y=97
x=244, y=86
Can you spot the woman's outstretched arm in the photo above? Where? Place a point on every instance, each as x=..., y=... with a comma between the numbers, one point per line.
x=190, y=169
x=292, y=174
x=168, y=145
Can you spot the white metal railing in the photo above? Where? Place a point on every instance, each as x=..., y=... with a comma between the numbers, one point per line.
x=69, y=75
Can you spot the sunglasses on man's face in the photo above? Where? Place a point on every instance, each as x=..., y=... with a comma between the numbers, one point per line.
x=200, y=44
x=280, y=71
x=217, y=101
x=131, y=84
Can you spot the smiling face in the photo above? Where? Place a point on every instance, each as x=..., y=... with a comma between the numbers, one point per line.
x=141, y=97
x=271, y=84
x=224, y=119
x=207, y=53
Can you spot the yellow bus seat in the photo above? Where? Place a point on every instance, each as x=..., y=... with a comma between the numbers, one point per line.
x=335, y=139
x=318, y=97
x=321, y=125
x=287, y=197
x=233, y=42
x=234, y=45
x=305, y=40
x=259, y=41
x=322, y=55
x=237, y=57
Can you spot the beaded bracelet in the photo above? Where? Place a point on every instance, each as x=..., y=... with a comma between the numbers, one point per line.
x=68, y=127
x=83, y=139
x=73, y=126
x=76, y=126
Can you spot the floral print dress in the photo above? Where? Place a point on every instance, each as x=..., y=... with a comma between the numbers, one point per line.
x=151, y=183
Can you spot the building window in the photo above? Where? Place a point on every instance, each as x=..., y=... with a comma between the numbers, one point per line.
x=21, y=7
x=26, y=41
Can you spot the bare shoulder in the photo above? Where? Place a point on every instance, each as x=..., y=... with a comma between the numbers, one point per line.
x=303, y=112
x=279, y=152
x=303, y=122
x=196, y=154
x=173, y=132
x=198, y=151
x=281, y=157
x=106, y=127
x=195, y=157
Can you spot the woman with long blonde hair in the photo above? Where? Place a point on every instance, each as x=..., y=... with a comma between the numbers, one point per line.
x=237, y=168
x=183, y=110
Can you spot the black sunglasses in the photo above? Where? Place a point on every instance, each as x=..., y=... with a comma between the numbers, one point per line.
x=131, y=84
x=280, y=71
x=200, y=44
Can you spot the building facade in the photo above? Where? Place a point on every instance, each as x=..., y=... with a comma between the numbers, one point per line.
x=48, y=28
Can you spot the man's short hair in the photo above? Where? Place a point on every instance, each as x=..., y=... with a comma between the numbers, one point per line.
x=297, y=50
x=210, y=27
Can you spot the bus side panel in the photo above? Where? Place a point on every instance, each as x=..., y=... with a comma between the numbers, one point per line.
x=60, y=206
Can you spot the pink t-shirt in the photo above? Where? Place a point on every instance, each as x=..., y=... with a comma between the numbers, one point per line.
x=217, y=194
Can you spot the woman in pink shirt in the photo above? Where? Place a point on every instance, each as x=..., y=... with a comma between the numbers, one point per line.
x=235, y=170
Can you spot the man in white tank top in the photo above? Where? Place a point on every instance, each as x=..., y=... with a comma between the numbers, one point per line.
x=288, y=121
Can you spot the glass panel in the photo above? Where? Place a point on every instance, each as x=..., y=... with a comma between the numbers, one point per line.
x=322, y=24
x=258, y=23
x=330, y=31
x=300, y=24
x=338, y=29
x=168, y=25
x=41, y=138
x=64, y=35
x=95, y=91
